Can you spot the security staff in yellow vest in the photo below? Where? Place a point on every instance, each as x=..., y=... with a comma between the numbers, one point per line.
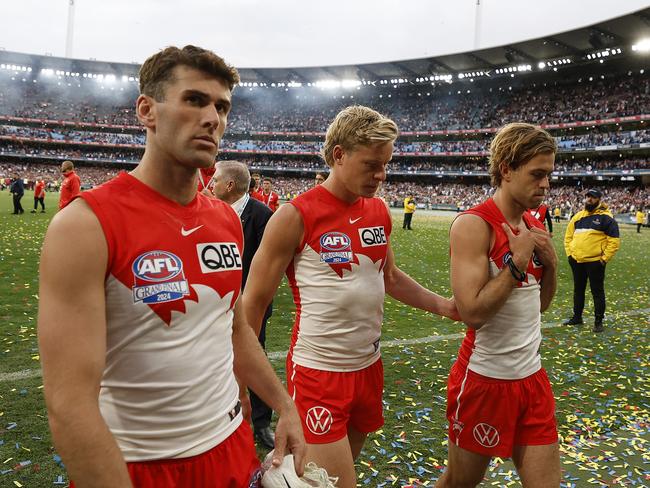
x=557, y=213
x=591, y=240
x=409, y=210
x=640, y=217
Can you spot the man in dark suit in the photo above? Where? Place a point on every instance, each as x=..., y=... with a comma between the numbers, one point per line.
x=17, y=190
x=231, y=184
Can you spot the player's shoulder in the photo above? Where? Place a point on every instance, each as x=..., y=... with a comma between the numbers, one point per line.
x=469, y=226
x=469, y=220
x=77, y=218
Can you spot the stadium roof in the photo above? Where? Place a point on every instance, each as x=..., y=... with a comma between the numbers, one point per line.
x=604, y=40
x=575, y=45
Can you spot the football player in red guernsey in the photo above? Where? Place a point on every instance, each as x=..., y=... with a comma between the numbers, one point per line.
x=140, y=328
x=503, y=275
x=333, y=241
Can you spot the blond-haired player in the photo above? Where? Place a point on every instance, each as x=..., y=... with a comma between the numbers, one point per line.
x=333, y=242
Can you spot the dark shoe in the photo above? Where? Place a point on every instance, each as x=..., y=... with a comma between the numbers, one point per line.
x=573, y=321
x=33, y=211
x=42, y=211
x=598, y=327
x=265, y=437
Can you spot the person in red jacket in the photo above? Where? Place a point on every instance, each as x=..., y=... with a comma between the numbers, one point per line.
x=71, y=186
x=39, y=195
x=267, y=196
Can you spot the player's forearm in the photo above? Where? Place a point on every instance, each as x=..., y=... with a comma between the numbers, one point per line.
x=548, y=287
x=252, y=367
x=88, y=449
x=254, y=306
x=477, y=310
x=405, y=289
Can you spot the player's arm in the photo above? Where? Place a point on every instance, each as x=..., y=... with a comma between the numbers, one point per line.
x=402, y=287
x=477, y=296
x=282, y=236
x=72, y=343
x=253, y=368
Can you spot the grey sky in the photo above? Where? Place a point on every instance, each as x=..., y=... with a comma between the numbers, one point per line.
x=283, y=33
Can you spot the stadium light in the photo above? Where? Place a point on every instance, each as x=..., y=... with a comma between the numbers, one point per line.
x=551, y=63
x=605, y=53
x=643, y=46
x=15, y=67
x=327, y=84
x=473, y=74
x=514, y=69
x=350, y=83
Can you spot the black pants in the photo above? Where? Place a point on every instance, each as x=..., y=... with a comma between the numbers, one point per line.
x=40, y=200
x=557, y=219
x=18, y=208
x=595, y=273
x=638, y=228
x=261, y=413
x=407, y=221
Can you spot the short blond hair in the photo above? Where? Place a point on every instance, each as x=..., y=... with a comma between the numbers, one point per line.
x=357, y=126
x=515, y=144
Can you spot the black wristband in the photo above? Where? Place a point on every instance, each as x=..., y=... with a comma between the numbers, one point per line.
x=516, y=274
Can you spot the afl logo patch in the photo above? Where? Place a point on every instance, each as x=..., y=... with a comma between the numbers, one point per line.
x=158, y=277
x=335, y=247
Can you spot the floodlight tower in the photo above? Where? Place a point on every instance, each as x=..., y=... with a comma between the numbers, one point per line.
x=477, y=24
x=70, y=30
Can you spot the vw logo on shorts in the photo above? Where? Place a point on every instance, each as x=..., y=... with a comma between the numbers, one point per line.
x=486, y=435
x=319, y=420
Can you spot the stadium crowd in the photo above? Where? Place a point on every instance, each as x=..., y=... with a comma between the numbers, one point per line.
x=565, y=142
x=446, y=106
x=447, y=194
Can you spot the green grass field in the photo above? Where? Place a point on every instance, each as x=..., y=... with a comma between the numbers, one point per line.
x=600, y=381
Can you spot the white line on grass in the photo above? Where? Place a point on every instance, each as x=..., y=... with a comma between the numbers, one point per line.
x=274, y=356
x=436, y=338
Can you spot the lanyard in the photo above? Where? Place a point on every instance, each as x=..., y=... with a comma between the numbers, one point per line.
x=205, y=187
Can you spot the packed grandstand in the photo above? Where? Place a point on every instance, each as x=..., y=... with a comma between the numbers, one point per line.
x=598, y=114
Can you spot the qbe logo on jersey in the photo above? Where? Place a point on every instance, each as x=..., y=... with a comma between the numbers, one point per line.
x=158, y=277
x=335, y=247
x=216, y=257
x=372, y=236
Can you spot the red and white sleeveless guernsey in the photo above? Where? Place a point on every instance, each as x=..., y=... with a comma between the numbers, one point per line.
x=337, y=279
x=507, y=345
x=173, y=276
